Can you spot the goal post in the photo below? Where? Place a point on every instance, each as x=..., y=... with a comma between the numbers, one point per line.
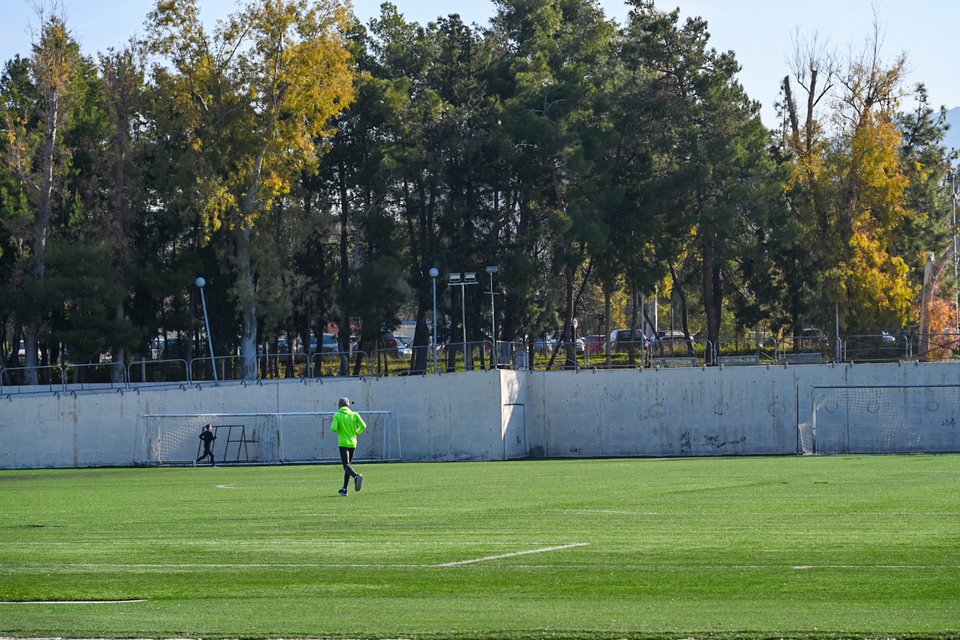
x=260, y=438
x=882, y=419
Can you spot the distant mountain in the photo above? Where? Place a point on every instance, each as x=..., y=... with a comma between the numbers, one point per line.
x=952, y=139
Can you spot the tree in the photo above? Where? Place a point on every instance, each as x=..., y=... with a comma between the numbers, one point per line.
x=256, y=98
x=865, y=184
x=715, y=176
x=36, y=157
x=928, y=166
x=18, y=93
x=122, y=80
x=646, y=240
x=555, y=102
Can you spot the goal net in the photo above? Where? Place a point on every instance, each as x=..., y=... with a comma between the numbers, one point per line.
x=881, y=419
x=295, y=437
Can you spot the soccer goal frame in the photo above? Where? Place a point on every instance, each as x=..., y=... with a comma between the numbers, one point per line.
x=261, y=438
x=881, y=419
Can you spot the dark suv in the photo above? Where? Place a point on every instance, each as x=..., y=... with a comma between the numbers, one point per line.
x=625, y=339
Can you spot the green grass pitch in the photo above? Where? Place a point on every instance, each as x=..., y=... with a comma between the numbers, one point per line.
x=799, y=547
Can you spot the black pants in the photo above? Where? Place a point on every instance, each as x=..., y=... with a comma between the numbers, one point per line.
x=206, y=452
x=346, y=457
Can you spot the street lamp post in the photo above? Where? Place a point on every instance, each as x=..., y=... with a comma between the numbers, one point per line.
x=201, y=283
x=493, y=318
x=434, y=272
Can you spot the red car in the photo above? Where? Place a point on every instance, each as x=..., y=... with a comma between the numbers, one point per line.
x=594, y=344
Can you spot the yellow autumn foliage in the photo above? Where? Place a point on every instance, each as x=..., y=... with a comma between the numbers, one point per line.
x=874, y=285
x=866, y=212
x=876, y=173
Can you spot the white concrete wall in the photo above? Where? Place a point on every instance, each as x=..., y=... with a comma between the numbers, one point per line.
x=739, y=410
x=453, y=417
x=513, y=423
x=443, y=418
x=912, y=414
x=495, y=415
x=663, y=412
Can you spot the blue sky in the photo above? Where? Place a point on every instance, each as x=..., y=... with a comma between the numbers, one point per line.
x=762, y=33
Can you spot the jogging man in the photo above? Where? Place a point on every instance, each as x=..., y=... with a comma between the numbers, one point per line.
x=207, y=437
x=348, y=424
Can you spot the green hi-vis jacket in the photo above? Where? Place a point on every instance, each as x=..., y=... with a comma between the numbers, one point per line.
x=348, y=425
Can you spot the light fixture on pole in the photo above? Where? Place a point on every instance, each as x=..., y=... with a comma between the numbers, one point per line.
x=493, y=318
x=462, y=281
x=201, y=283
x=434, y=272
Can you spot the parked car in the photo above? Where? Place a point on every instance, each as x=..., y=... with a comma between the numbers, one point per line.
x=594, y=343
x=811, y=338
x=624, y=339
x=177, y=349
x=544, y=344
x=673, y=343
x=330, y=344
x=674, y=335
x=581, y=345
x=389, y=343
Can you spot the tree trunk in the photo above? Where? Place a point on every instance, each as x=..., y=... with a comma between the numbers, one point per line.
x=119, y=353
x=344, y=335
x=712, y=296
x=607, y=328
x=932, y=274
x=566, y=342
x=681, y=292
x=421, y=338
x=248, y=306
x=52, y=118
x=121, y=205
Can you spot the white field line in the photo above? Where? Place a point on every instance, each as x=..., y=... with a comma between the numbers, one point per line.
x=169, y=566
x=806, y=567
x=287, y=542
x=512, y=555
x=72, y=601
x=172, y=566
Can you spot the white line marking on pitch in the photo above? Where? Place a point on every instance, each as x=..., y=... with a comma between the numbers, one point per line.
x=512, y=555
x=804, y=567
x=70, y=601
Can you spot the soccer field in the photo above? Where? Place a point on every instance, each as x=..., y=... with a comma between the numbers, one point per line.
x=663, y=548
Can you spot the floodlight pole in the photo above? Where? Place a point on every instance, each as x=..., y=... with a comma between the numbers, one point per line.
x=493, y=318
x=462, y=280
x=434, y=272
x=201, y=283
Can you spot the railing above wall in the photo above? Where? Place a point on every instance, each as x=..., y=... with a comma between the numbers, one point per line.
x=474, y=356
